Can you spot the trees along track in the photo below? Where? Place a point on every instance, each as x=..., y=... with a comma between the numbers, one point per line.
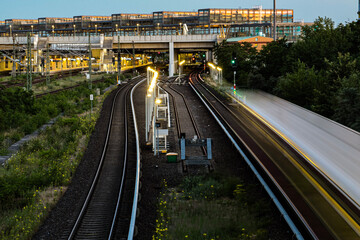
x=312, y=208
x=109, y=210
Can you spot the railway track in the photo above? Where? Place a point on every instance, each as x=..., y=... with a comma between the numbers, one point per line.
x=183, y=113
x=184, y=119
x=316, y=210
x=63, y=89
x=109, y=210
x=40, y=79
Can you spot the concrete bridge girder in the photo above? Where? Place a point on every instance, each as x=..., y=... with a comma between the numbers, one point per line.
x=149, y=46
x=172, y=43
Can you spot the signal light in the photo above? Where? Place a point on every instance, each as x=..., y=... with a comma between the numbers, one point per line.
x=233, y=60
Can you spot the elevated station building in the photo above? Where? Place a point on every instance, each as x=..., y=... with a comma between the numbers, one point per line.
x=227, y=22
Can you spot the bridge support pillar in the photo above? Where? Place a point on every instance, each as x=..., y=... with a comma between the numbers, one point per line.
x=176, y=60
x=171, y=59
x=209, y=56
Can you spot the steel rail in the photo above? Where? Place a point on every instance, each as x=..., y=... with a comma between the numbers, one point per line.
x=123, y=173
x=137, y=180
x=41, y=79
x=90, y=193
x=177, y=121
x=190, y=114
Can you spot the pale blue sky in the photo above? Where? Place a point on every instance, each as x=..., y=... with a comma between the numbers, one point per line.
x=340, y=11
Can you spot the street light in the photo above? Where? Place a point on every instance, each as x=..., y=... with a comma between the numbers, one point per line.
x=53, y=29
x=220, y=75
x=158, y=27
x=10, y=30
x=95, y=30
x=153, y=81
x=116, y=28
x=150, y=98
x=158, y=101
x=137, y=27
x=74, y=29
x=180, y=28
x=32, y=29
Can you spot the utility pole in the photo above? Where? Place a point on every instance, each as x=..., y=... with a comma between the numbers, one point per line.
x=119, y=61
x=18, y=69
x=133, y=63
x=234, y=83
x=13, y=73
x=90, y=63
x=274, y=30
x=29, y=67
x=48, y=63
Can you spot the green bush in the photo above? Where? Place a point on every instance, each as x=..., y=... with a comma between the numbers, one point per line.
x=20, y=110
x=29, y=127
x=16, y=137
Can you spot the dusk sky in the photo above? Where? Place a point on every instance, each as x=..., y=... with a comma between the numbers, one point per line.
x=308, y=10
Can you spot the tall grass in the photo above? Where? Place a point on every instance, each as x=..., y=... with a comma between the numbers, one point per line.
x=22, y=114
x=35, y=178
x=209, y=207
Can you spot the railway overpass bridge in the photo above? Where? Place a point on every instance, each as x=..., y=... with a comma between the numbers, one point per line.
x=173, y=44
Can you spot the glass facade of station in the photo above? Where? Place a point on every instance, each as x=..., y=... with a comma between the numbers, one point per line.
x=228, y=22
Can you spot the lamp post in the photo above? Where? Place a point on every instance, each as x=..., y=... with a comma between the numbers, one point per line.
x=234, y=83
x=32, y=29
x=157, y=126
x=180, y=64
x=116, y=26
x=10, y=30
x=53, y=30
x=95, y=29
x=119, y=61
x=219, y=75
x=152, y=76
x=137, y=27
x=74, y=29
x=90, y=62
x=180, y=28
x=158, y=28
x=13, y=73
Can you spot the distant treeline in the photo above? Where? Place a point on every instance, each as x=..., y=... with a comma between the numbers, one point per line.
x=321, y=72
